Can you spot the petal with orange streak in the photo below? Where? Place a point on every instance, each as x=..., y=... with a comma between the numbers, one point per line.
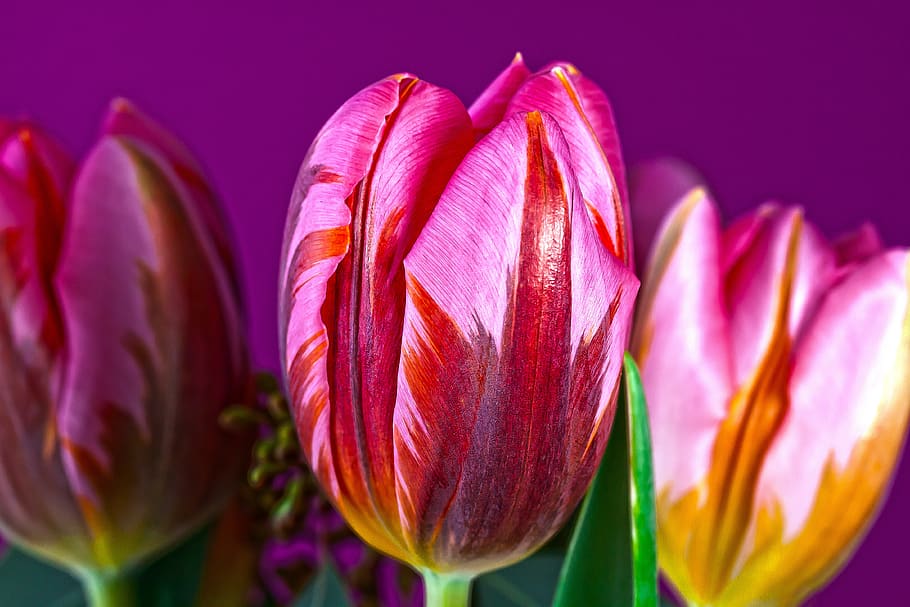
x=514, y=328
x=600, y=114
x=829, y=468
x=755, y=255
x=707, y=528
x=369, y=183
x=557, y=92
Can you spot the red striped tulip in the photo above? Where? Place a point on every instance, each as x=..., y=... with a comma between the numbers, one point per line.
x=776, y=367
x=455, y=312
x=120, y=343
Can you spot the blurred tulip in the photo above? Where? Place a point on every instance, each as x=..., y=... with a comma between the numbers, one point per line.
x=776, y=368
x=454, y=314
x=121, y=340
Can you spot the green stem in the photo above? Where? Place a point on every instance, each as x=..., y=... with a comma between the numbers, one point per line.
x=447, y=589
x=109, y=590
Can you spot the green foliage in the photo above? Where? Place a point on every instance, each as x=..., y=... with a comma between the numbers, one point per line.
x=528, y=583
x=28, y=582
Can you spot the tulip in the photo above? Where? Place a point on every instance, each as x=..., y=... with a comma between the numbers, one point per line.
x=776, y=367
x=120, y=342
x=455, y=303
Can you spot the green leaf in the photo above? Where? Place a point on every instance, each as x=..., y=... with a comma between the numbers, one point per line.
x=170, y=581
x=326, y=590
x=528, y=583
x=26, y=581
x=173, y=579
x=612, y=559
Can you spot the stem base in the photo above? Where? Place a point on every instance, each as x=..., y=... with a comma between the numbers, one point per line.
x=108, y=590
x=447, y=590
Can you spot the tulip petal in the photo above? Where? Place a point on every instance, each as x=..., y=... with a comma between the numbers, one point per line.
x=36, y=164
x=819, y=491
x=515, y=324
x=600, y=115
x=755, y=256
x=583, y=114
x=682, y=344
x=365, y=191
x=153, y=336
x=125, y=120
x=490, y=107
x=656, y=187
x=46, y=519
x=32, y=184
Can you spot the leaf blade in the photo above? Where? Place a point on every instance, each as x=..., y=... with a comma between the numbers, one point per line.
x=26, y=581
x=528, y=583
x=644, y=523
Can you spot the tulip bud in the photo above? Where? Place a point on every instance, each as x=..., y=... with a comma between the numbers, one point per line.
x=121, y=341
x=776, y=368
x=454, y=314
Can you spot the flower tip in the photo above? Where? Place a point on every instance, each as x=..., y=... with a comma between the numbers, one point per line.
x=518, y=59
x=694, y=196
x=121, y=105
x=402, y=76
x=795, y=214
x=534, y=118
x=25, y=135
x=564, y=68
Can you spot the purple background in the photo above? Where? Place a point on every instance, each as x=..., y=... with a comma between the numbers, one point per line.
x=804, y=101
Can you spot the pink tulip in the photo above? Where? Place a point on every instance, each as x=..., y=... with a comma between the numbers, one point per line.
x=120, y=342
x=454, y=312
x=776, y=367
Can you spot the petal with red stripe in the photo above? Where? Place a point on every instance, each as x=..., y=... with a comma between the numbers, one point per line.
x=515, y=323
x=577, y=104
x=365, y=191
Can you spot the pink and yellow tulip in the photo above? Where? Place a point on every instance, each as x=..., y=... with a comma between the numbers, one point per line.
x=121, y=341
x=455, y=301
x=776, y=367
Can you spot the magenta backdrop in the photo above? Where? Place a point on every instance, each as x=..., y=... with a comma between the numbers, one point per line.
x=804, y=101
